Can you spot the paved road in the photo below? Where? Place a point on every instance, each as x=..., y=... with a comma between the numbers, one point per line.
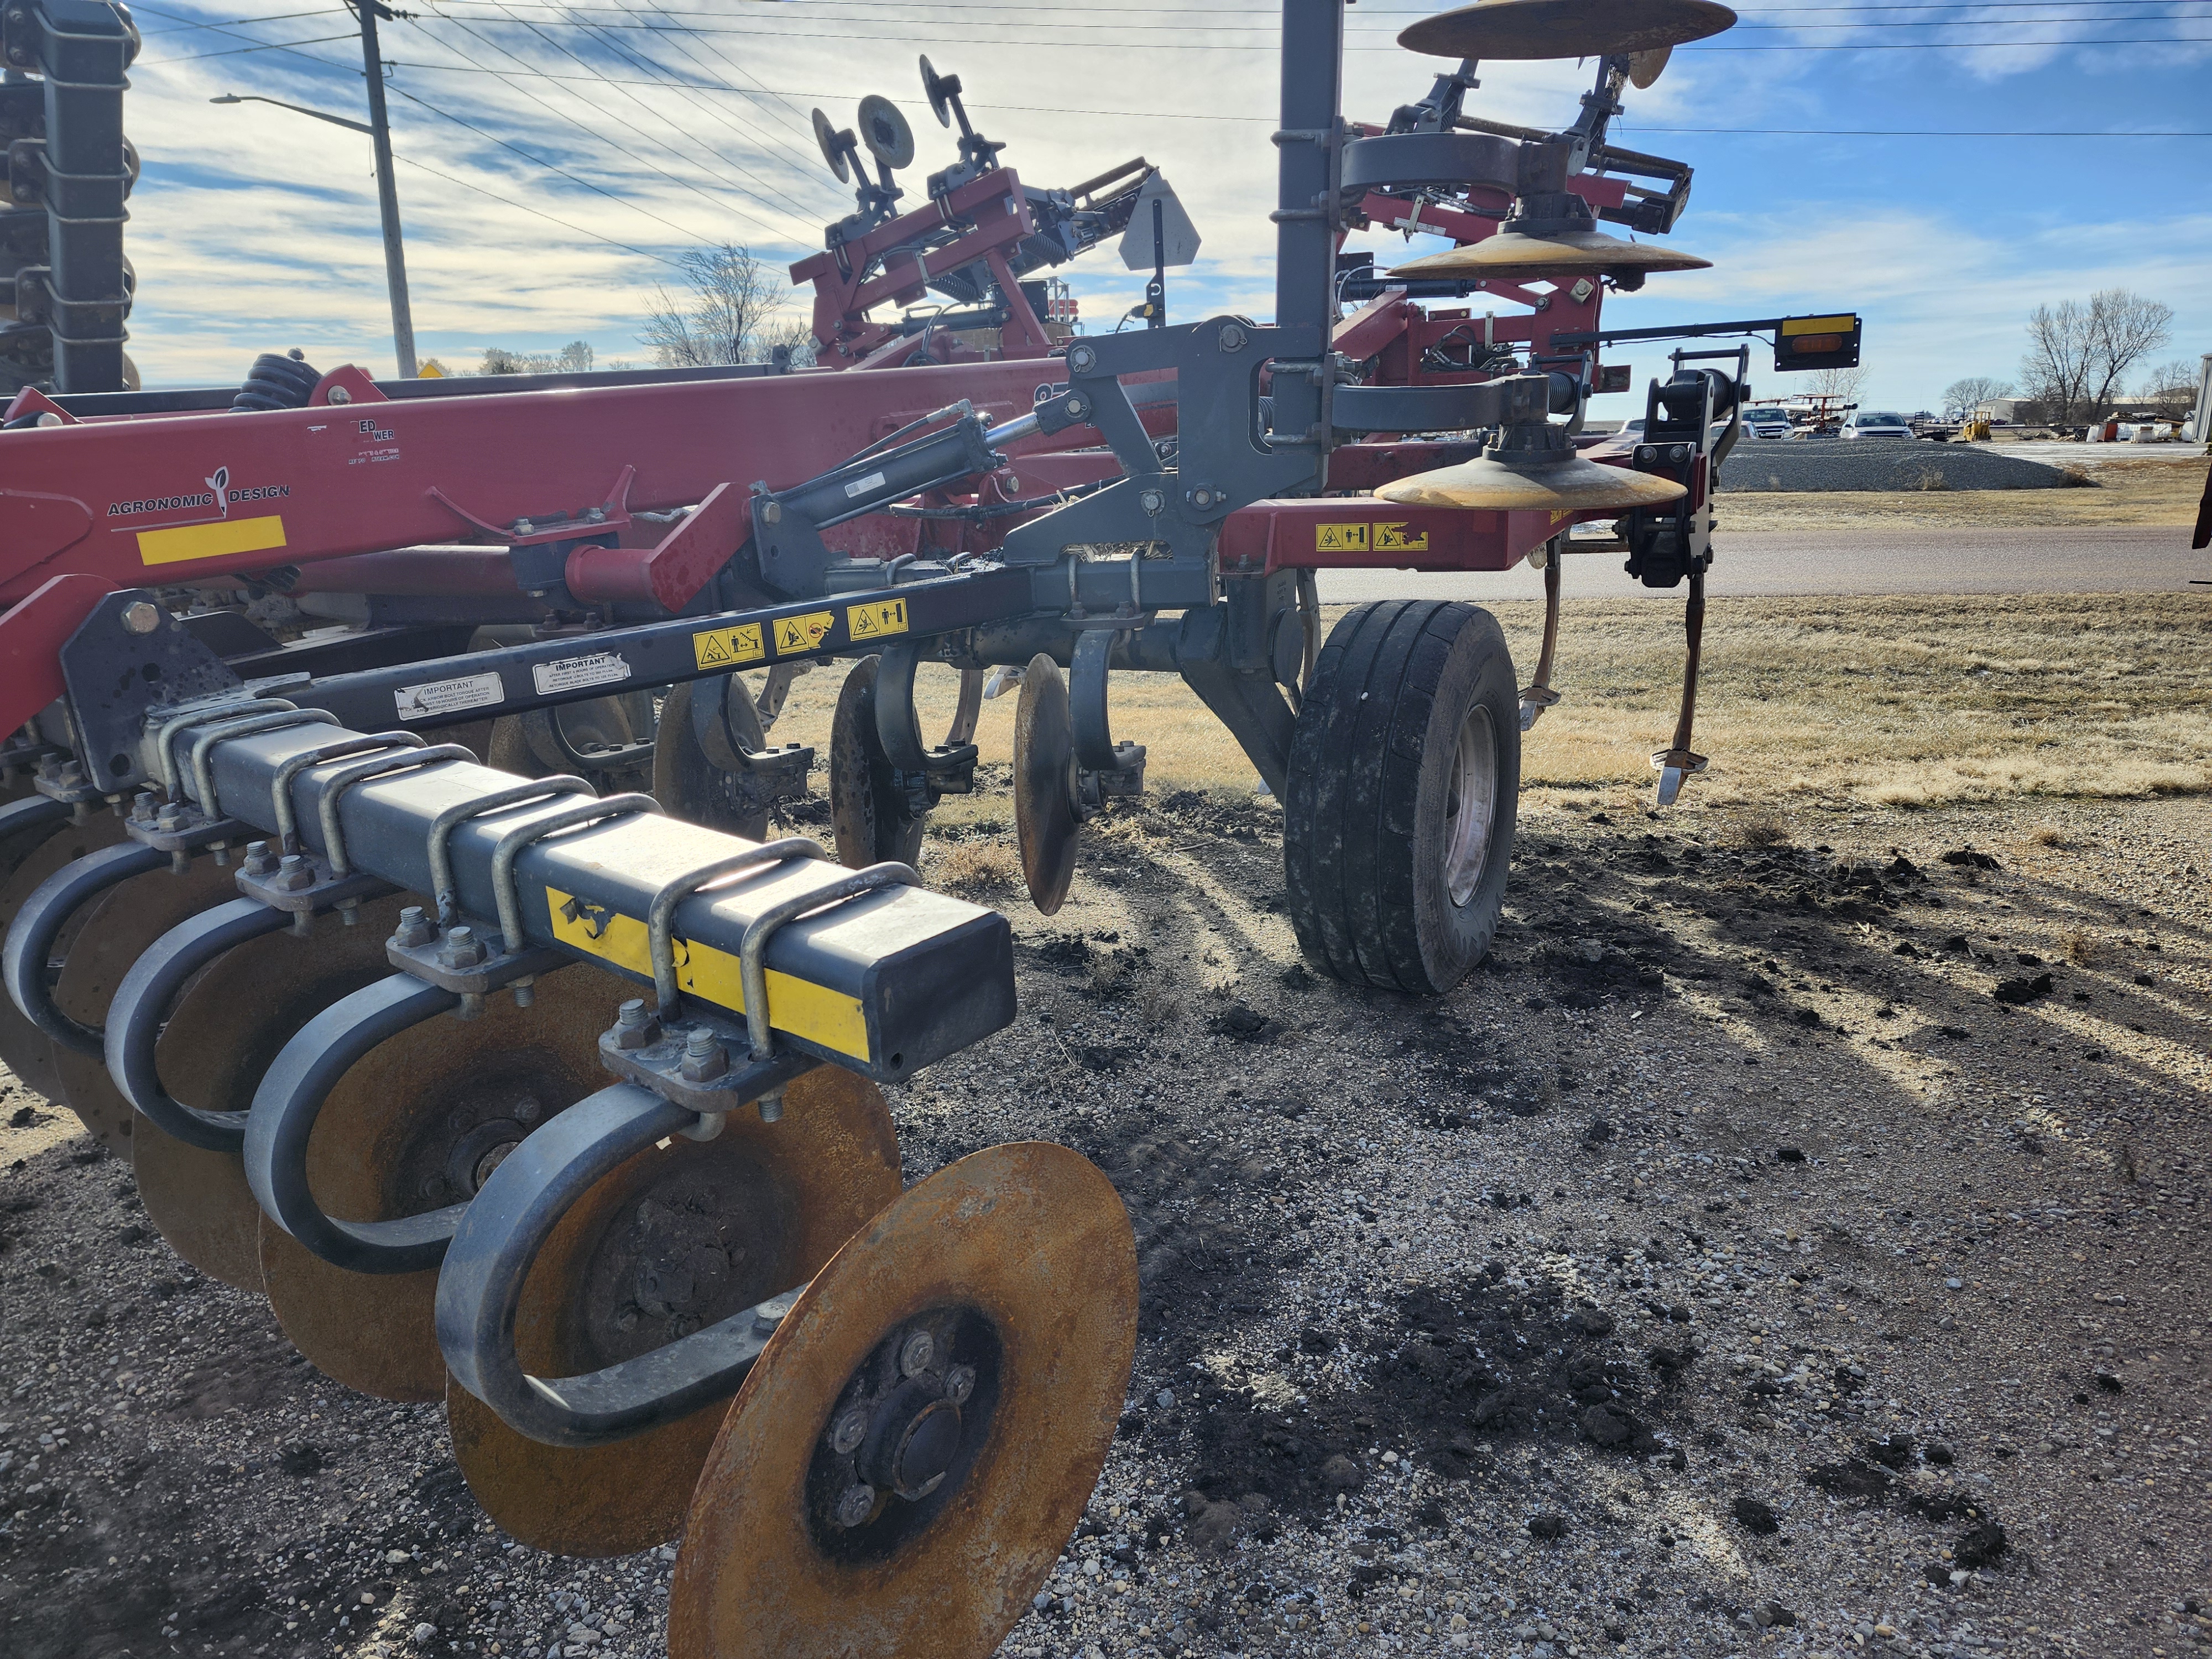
x=2123, y=559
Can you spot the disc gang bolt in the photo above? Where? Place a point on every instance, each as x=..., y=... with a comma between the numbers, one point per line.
x=916, y=1353
x=847, y=1433
x=292, y=874
x=855, y=1504
x=414, y=929
x=526, y=1110
x=959, y=1383
x=461, y=949
x=634, y=1027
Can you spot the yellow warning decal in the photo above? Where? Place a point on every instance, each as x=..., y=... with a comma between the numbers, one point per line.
x=876, y=622
x=1818, y=324
x=218, y=540
x=727, y=648
x=1559, y=512
x=806, y=633
x=828, y=1018
x=1400, y=538
x=1340, y=538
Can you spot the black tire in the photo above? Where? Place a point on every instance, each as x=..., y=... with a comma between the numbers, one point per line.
x=1374, y=763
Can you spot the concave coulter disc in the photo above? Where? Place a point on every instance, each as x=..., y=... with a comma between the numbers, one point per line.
x=121, y=926
x=1019, y=1260
x=678, y=1237
x=224, y=1031
x=24, y=1049
x=417, y=1123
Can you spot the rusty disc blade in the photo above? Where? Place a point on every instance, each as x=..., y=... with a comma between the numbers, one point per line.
x=24, y=1049
x=220, y=1037
x=417, y=1124
x=1567, y=486
x=867, y=813
x=119, y=929
x=1644, y=69
x=1025, y=1251
x=1046, y=831
x=680, y=1237
x=1528, y=29
x=686, y=781
x=1511, y=254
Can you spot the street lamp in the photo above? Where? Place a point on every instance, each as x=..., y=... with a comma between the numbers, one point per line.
x=387, y=196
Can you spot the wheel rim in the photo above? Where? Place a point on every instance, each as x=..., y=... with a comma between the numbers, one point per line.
x=1471, y=807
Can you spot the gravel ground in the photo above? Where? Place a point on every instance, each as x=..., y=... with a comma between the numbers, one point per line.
x=1776, y=1248
x=1879, y=464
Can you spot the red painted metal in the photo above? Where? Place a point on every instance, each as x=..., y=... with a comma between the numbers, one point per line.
x=1358, y=532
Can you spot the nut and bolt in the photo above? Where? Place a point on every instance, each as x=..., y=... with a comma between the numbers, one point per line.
x=524, y=527
x=340, y=395
x=847, y=1433
x=293, y=874
x=959, y=1383
x=414, y=929
x=855, y=1504
x=634, y=1027
x=143, y=806
x=171, y=817
x=916, y=1353
x=527, y=1110
x=1077, y=408
x=771, y=513
x=1201, y=497
x=704, y=1057
x=1082, y=359
x=462, y=949
x=258, y=860
x=141, y=616
x=1153, y=502
x=72, y=775
x=1232, y=337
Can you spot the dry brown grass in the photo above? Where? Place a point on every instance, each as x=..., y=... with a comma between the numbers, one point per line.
x=975, y=869
x=2158, y=492
x=2083, y=950
x=1758, y=826
x=2046, y=835
x=1907, y=701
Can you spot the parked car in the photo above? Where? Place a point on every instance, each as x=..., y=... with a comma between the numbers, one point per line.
x=1766, y=423
x=1876, y=423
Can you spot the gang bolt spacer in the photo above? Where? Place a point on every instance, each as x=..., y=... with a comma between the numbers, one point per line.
x=916, y=1353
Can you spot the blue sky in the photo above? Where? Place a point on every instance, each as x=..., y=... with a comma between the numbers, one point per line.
x=601, y=143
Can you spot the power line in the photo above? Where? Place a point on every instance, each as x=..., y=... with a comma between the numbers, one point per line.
x=235, y=52
x=280, y=17
x=647, y=253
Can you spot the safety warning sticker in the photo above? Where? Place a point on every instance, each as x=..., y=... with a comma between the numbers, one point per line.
x=420, y=702
x=1400, y=538
x=573, y=673
x=729, y=647
x=1340, y=538
x=795, y=634
x=878, y=621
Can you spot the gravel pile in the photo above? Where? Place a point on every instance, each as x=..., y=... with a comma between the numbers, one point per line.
x=1781, y=465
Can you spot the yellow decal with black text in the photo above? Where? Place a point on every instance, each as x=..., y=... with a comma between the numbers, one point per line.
x=1400, y=538
x=727, y=648
x=218, y=540
x=876, y=622
x=827, y=1019
x=1340, y=538
x=797, y=634
x=1559, y=512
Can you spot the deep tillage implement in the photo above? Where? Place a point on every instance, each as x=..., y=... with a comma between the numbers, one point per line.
x=390, y=859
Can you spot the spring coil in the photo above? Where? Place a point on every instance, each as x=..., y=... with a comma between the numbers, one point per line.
x=276, y=381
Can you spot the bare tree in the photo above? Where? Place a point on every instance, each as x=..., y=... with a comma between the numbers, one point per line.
x=2124, y=328
x=575, y=358
x=730, y=310
x=1962, y=398
x=2061, y=348
x=2171, y=386
x=1843, y=383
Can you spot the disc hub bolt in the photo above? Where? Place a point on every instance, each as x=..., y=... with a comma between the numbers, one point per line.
x=414, y=929
x=634, y=1027
x=959, y=1383
x=847, y=1433
x=292, y=874
x=916, y=1353
x=461, y=949
x=704, y=1057
x=855, y=1504
x=259, y=860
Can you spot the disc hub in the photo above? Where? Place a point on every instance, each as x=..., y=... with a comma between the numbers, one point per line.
x=906, y=1429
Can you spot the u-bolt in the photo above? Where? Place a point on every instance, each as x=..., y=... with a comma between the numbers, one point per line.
x=290, y=1099
x=142, y=1005
x=30, y=944
x=480, y=1286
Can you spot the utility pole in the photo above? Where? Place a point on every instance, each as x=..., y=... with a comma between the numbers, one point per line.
x=388, y=191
